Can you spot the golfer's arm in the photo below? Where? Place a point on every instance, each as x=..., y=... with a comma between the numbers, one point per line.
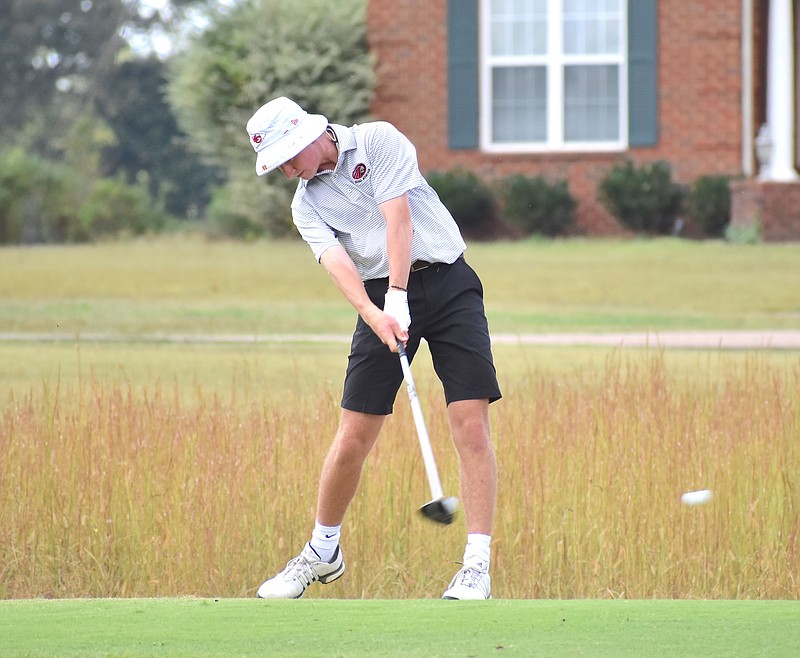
x=399, y=232
x=344, y=273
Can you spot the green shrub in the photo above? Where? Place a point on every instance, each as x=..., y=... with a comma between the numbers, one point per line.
x=537, y=206
x=17, y=174
x=709, y=204
x=58, y=207
x=744, y=234
x=113, y=209
x=469, y=200
x=38, y=198
x=248, y=209
x=224, y=221
x=43, y=201
x=644, y=199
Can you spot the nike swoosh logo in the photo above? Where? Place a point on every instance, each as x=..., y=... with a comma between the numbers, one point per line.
x=329, y=536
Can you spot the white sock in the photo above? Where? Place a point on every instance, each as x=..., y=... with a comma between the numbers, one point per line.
x=478, y=550
x=325, y=539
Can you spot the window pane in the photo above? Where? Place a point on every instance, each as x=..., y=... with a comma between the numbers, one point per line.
x=519, y=104
x=519, y=27
x=592, y=27
x=583, y=76
x=591, y=103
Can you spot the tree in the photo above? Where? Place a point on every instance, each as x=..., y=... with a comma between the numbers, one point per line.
x=68, y=67
x=259, y=50
x=149, y=144
x=54, y=55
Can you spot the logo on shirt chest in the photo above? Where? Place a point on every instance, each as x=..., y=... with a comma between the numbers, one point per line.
x=360, y=172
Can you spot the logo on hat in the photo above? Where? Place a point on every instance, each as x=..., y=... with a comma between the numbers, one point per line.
x=257, y=138
x=359, y=172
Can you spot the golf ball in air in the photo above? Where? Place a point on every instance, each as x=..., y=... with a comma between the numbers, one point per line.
x=697, y=497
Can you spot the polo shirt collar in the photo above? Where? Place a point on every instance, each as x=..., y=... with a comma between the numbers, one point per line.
x=347, y=142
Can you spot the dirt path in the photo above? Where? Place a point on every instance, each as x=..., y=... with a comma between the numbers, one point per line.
x=736, y=340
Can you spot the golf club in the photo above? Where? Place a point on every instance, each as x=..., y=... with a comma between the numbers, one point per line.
x=439, y=509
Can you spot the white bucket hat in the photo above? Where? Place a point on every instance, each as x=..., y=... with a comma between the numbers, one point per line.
x=281, y=129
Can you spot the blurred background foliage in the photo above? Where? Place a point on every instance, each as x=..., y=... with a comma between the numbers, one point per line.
x=127, y=116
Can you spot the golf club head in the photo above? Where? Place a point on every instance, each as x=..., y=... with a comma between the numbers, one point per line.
x=442, y=510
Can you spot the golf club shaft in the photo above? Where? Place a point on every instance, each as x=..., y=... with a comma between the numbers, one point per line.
x=422, y=431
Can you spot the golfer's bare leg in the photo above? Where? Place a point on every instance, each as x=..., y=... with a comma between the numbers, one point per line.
x=469, y=425
x=341, y=472
x=340, y=475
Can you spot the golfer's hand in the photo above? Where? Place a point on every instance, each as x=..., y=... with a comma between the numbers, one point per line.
x=395, y=304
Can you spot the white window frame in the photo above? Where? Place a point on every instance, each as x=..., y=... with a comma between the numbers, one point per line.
x=555, y=61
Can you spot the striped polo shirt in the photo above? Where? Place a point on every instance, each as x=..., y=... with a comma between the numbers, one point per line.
x=340, y=207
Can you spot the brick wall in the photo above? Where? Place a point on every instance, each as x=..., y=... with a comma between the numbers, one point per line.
x=774, y=207
x=699, y=98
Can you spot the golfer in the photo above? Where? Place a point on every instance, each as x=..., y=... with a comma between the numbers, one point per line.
x=396, y=254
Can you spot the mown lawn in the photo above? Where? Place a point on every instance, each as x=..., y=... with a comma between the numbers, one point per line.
x=189, y=286
x=183, y=628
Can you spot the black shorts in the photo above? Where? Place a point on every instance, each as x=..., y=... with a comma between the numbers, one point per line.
x=446, y=304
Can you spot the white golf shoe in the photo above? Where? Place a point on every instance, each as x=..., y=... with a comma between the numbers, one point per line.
x=300, y=572
x=472, y=582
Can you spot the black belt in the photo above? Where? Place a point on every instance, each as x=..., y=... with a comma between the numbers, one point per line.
x=418, y=265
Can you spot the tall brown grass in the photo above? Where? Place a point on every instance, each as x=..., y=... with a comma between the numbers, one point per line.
x=110, y=490
x=599, y=465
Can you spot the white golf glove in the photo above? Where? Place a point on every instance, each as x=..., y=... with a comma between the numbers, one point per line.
x=396, y=304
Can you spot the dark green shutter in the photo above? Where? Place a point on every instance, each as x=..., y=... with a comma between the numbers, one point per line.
x=642, y=72
x=462, y=74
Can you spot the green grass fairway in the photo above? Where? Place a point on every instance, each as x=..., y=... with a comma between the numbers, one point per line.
x=182, y=285
x=237, y=627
